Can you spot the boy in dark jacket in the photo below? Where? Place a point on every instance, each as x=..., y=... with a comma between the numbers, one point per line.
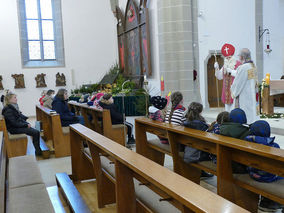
x=236, y=128
x=59, y=104
x=106, y=102
x=17, y=123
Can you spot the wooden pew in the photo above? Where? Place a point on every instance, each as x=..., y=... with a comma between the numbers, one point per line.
x=16, y=144
x=54, y=131
x=240, y=189
x=130, y=172
x=21, y=185
x=101, y=122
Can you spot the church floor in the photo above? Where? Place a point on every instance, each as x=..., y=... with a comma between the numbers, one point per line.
x=49, y=167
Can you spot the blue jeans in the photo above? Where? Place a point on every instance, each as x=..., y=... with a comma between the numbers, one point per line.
x=81, y=119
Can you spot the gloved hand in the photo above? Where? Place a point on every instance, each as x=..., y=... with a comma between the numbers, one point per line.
x=216, y=65
x=229, y=71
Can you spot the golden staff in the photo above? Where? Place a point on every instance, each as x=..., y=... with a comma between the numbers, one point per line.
x=217, y=85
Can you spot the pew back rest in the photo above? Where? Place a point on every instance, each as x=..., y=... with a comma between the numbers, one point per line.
x=171, y=183
x=245, y=152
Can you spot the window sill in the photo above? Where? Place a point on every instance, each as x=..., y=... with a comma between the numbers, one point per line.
x=42, y=64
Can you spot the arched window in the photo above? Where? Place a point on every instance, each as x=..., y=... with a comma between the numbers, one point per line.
x=41, y=33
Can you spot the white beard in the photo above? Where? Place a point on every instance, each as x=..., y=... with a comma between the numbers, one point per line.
x=230, y=63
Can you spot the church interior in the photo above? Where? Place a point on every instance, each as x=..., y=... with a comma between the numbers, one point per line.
x=147, y=106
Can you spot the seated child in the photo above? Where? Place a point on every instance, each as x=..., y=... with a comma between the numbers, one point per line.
x=260, y=133
x=176, y=115
x=106, y=102
x=47, y=100
x=236, y=128
x=157, y=112
x=195, y=121
x=222, y=117
x=43, y=93
x=97, y=100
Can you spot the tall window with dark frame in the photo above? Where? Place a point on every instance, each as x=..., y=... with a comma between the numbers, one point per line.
x=40, y=29
x=41, y=33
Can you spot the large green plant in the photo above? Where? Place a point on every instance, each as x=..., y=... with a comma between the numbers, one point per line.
x=127, y=88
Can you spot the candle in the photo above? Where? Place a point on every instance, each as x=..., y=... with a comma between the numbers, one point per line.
x=267, y=78
x=145, y=78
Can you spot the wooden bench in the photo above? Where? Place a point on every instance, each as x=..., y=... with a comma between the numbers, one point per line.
x=136, y=183
x=53, y=131
x=101, y=122
x=16, y=144
x=21, y=186
x=240, y=189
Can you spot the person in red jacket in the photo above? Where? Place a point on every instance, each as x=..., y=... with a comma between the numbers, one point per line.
x=43, y=94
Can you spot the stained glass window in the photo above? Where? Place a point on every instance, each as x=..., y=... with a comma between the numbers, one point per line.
x=41, y=41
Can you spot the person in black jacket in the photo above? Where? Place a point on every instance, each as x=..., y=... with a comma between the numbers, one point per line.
x=59, y=104
x=17, y=123
x=106, y=102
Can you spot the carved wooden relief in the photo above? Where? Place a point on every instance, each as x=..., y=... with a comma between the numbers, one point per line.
x=40, y=81
x=19, y=81
x=60, y=80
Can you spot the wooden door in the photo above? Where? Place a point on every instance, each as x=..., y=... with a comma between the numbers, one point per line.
x=214, y=85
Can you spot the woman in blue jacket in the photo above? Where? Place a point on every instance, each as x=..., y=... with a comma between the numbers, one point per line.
x=59, y=104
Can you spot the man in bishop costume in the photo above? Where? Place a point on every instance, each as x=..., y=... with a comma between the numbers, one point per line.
x=244, y=88
x=227, y=74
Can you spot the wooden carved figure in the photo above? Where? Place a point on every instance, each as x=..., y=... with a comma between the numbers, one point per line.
x=1, y=85
x=40, y=81
x=19, y=81
x=60, y=80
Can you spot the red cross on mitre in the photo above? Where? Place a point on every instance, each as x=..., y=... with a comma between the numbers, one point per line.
x=228, y=50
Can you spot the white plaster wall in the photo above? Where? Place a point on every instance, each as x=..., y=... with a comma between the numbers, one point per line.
x=90, y=43
x=224, y=21
x=273, y=17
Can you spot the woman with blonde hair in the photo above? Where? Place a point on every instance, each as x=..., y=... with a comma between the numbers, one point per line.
x=17, y=123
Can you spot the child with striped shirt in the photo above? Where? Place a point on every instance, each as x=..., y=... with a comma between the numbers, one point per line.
x=176, y=115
